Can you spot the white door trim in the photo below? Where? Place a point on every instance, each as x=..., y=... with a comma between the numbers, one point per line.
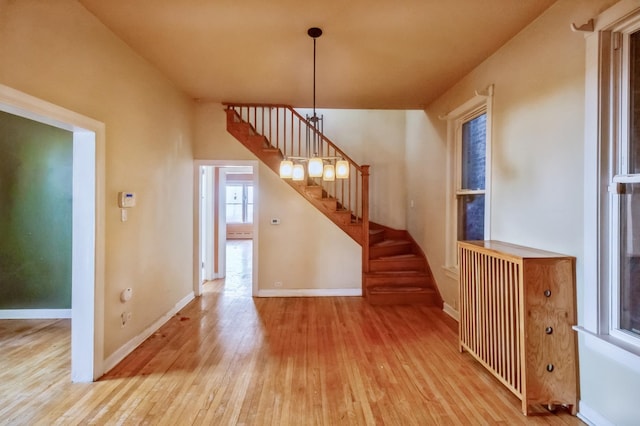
x=197, y=245
x=88, y=228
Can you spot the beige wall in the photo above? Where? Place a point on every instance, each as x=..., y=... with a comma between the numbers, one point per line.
x=537, y=169
x=537, y=186
x=303, y=251
x=426, y=159
x=59, y=52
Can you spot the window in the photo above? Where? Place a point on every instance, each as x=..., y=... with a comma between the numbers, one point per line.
x=469, y=143
x=470, y=193
x=612, y=184
x=624, y=181
x=239, y=202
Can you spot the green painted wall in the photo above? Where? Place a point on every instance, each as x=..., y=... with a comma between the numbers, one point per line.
x=36, y=163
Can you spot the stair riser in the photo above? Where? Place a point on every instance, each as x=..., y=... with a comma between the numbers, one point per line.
x=240, y=129
x=426, y=298
x=314, y=191
x=376, y=238
x=396, y=265
x=391, y=250
x=257, y=142
x=418, y=281
x=330, y=204
x=342, y=218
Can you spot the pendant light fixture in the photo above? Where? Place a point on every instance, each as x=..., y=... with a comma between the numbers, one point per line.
x=342, y=169
x=317, y=165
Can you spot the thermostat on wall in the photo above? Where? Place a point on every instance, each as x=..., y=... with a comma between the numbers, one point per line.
x=126, y=199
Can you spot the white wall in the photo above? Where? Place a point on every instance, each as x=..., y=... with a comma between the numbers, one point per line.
x=537, y=188
x=59, y=52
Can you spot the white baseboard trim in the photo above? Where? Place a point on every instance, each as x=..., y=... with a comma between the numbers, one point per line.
x=124, y=350
x=448, y=309
x=591, y=416
x=309, y=292
x=35, y=313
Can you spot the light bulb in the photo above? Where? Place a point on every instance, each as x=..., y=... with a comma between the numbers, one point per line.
x=286, y=169
x=298, y=172
x=342, y=169
x=329, y=173
x=315, y=167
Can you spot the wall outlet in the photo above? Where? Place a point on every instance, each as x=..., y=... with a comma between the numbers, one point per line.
x=277, y=284
x=125, y=317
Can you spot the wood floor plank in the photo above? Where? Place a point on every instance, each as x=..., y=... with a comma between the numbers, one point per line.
x=230, y=359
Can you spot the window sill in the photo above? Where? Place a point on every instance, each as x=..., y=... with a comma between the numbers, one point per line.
x=613, y=348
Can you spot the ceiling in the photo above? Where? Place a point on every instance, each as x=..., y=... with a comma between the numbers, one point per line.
x=374, y=54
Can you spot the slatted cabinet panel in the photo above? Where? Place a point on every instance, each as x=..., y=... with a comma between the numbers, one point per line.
x=517, y=307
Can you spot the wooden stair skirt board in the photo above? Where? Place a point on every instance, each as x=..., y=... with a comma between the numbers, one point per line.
x=397, y=271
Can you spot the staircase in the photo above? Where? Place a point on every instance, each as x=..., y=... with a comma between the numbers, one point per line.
x=395, y=270
x=398, y=271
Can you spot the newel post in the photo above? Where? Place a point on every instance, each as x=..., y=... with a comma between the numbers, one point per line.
x=365, y=222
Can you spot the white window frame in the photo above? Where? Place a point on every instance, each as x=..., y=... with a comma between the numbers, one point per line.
x=481, y=103
x=246, y=218
x=606, y=133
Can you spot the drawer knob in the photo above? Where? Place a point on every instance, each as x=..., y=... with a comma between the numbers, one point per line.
x=549, y=368
x=548, y=330
x=547, y=293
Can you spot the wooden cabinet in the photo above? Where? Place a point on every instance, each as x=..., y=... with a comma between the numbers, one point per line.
x=517, y=309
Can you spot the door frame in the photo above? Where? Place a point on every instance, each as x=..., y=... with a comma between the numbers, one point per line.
x=88, y=225
x=199, y=221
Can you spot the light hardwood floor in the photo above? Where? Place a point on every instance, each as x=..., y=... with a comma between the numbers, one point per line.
x=229, y=359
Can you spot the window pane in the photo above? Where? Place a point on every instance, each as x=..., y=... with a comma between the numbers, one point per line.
x=234, y=203
x=630, y=259
x=249, y=213
x=234, y=213
x=250, y=194
x=471, y=217
x=473, y=153
x=634, y=104
x=234, y=194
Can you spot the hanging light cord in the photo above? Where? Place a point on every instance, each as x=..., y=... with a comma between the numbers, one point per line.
x=314, y=80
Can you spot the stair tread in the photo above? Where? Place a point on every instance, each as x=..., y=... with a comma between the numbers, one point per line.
x=399, y=274
x=399, y=289
x=397, y=257
x=386, y=243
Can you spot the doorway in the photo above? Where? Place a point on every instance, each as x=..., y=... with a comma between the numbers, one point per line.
x=227, y=206
x=87, y=257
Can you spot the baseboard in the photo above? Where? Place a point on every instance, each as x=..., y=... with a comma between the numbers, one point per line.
x=591, y=416
x=308, y=292
x=124, y=350
x=448, y=309
x=35, y=313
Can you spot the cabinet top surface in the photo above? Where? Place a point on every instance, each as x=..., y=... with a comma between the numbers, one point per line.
x=510, y=249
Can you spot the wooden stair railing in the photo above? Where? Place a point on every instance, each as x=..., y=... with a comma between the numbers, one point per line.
x=395, y=270
x=274, y=132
